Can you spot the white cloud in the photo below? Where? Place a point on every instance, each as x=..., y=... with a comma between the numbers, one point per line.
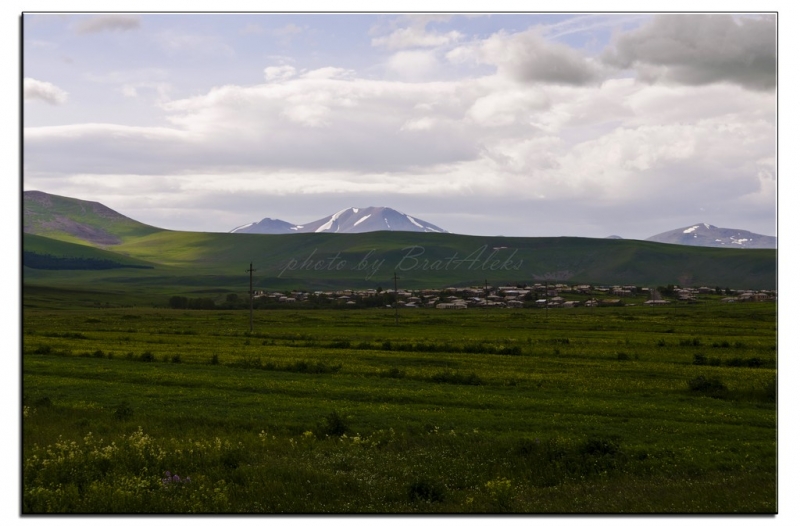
x=161, y=89
x=251, y=29
x=39, y=90
x=97, y=24
x=277, y=73
x=327, y=73
x=194, y=44
x=507, y=106
x=416, y=36
x=287, y=33
x=412, y=65
x=423, y=123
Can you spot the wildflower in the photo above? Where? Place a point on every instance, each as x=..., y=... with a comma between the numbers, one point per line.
x=170, y=478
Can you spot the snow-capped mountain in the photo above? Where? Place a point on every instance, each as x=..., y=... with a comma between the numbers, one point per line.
x=265, y=226
x=705, y=235
x=347, y=221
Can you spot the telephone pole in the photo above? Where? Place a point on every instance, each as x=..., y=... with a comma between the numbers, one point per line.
x=395, y=298
x=546, y=300
x=251, y=270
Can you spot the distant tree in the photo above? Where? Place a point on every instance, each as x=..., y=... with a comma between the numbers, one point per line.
x=232, y=298
x=201, y=304
x=179, y=302
x=667, y=291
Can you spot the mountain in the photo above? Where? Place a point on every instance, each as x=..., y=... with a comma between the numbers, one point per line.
x=78, y=221
x=705, y=235
x=266, y=226
x=347, y=221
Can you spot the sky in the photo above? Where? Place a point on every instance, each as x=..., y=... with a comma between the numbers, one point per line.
x=483, y=124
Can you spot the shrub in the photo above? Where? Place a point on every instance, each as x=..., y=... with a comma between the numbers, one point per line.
x=176, y=358
x=700, y=359
x=302, y=366
x=771, y=389
x=425, y=489
x=123, y=411
x=43, y=349
x=515, y=350
x=452, y=377
x=99, y=354
x=394, y=372
x=709, y=386
x=661, y=342
x=622, y=356
x=600, y=446
x=147, y=356
x=43, y=402
x=215, y=359
x=755, y=362
x=333, y=424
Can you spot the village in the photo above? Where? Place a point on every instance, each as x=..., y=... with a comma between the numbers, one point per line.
x=538, y=295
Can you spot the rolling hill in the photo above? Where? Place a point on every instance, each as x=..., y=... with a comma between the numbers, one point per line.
x=78, y=221
x=194, y=261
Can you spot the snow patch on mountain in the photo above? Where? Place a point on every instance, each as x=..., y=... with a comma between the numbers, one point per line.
x=329, y=224
x=712, y=236
x=348, y=220
x=412, y=220
x=248, y=225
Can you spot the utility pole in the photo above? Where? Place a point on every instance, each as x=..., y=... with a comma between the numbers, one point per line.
x=546, y=300
x=251, y=270
x=395, y=298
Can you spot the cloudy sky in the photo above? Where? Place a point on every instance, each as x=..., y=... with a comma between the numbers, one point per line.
x=494, y=124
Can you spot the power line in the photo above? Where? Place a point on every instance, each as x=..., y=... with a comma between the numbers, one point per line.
x=251, y=270
x=395, y=299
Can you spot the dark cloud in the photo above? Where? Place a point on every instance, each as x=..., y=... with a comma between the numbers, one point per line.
x=528, y=57
x=701, y=49
x=97, y=24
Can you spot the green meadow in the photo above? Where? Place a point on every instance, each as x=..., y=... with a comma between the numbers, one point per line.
x=624, y=410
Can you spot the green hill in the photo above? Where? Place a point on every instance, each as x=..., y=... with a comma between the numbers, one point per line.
x=330, y=261
x=78, y=221
x=46, y=253
x=194, y=261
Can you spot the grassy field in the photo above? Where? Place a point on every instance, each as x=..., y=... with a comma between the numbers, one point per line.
x=581, y=410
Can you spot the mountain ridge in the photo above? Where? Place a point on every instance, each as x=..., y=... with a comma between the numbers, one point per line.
x=706, y=235
x=346, y=221
x=202, y=260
